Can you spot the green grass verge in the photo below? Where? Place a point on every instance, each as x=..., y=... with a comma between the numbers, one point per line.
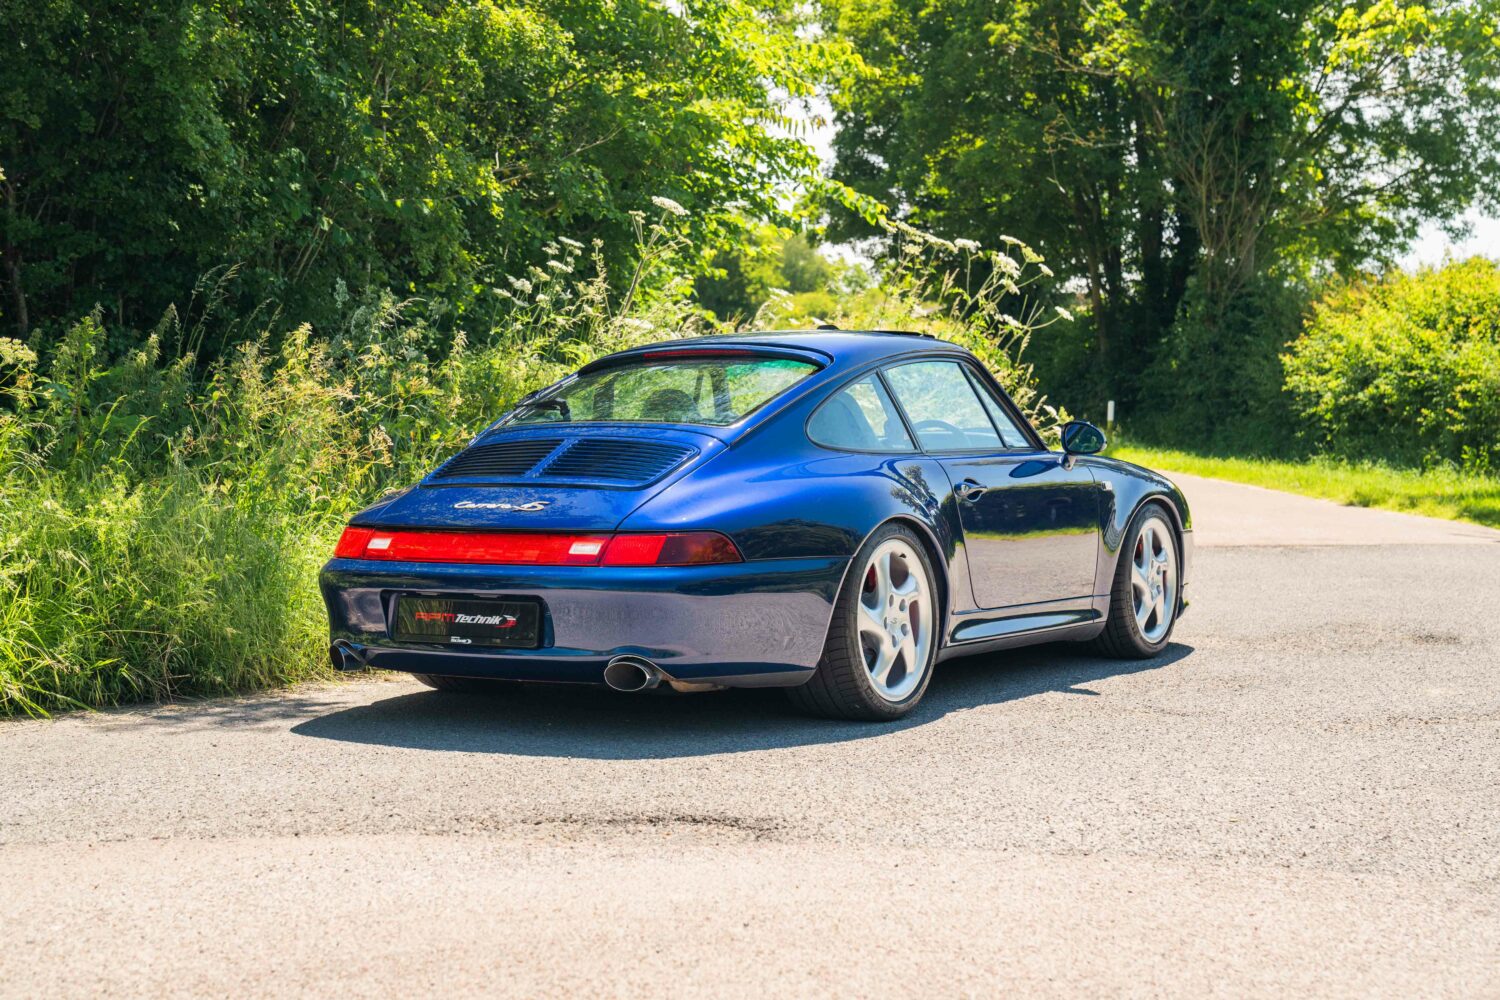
x=1436, y=493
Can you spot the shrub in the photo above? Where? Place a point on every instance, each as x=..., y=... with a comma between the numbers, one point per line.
x=1405, y=369
x=161, y=527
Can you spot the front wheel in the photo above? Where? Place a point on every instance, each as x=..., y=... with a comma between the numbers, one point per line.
x=883, y=638
x=1147, y=590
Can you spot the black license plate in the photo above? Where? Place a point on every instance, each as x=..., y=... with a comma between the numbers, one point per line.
x=468, y=622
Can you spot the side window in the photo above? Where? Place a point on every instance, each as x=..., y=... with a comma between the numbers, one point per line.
x=860, y=418
x=1010, y=433
x=944, y=410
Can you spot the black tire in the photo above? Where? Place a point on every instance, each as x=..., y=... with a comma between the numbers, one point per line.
x=842, y=687
x=1122, y=638
x=465, y=685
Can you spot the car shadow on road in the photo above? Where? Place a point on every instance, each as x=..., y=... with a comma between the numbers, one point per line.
x=595, y=723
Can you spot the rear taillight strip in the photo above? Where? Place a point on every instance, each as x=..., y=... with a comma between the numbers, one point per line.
x=518, y=548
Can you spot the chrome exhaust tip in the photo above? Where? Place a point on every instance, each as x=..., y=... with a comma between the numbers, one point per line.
x=344, y=656
x=631, y=674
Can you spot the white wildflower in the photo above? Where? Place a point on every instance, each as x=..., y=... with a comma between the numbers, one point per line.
x=969, y=245
x=559, y=267
x=1045, y=270
x=519, y=284
x=537, y=273
x=570, y=243
x=1009, y=320
x=552, y=249
x=1007, y=265
x=668, y=205
x=1009, y=241
x=1065, y=314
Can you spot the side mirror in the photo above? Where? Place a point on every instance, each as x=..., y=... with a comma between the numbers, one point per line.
x=1079, y=437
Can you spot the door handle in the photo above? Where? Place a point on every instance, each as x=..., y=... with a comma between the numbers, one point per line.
x=969, y=490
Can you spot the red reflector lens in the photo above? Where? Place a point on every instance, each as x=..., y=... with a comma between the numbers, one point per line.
x=689, y=548
x=514, y=548
x=497, y=548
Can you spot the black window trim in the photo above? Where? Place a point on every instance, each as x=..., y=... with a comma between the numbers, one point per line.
x=966, y=364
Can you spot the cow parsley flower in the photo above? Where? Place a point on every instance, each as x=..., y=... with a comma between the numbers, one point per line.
x=668, y=205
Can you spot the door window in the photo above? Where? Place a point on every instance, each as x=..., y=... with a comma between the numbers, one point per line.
x=945, y=412
x=860, y=418
x=1010, y=432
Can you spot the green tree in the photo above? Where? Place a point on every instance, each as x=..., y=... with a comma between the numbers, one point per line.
x=772, y=262
x=427, y=146
x=1183, y=161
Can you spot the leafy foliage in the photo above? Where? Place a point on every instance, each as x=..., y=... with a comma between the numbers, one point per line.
x=429, y=147
x=1407, y=368
x=777, y=264
x=1181, y=161
x=160, y=530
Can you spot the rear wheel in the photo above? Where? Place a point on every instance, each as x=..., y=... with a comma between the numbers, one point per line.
x=1146, y=595
x=883, y=638
x=465, y=685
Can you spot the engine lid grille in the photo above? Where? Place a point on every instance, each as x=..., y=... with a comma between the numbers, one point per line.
x=611, y=461
x=623, y=460
x=511, y=458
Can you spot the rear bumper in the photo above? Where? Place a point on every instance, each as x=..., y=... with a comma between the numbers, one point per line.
x=753, y=624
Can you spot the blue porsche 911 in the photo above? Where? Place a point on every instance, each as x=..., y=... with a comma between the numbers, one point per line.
x=829, y=512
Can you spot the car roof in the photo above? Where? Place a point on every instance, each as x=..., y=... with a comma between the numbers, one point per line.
x=842, y=347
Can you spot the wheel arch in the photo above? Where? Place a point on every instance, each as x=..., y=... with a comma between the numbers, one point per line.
x=940, y=567
x=1175, y=517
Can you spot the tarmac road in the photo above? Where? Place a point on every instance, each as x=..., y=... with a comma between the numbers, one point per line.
x=1301, y=796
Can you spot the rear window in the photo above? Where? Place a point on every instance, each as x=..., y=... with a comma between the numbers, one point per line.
x=714, y=391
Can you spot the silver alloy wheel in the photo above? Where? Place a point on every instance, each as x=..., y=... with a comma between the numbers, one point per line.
x=1153, y=578
x=895, y=619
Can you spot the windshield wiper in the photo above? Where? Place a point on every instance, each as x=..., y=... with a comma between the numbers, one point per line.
x=560, y=405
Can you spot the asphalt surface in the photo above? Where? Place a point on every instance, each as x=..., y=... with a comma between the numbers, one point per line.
x=1302, y=796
